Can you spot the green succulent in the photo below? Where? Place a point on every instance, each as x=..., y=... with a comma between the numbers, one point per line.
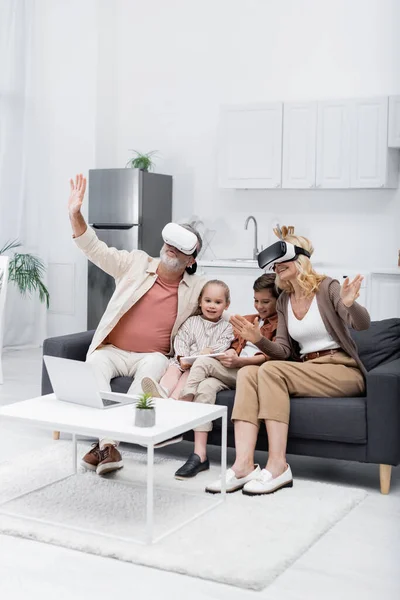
x=142, y=161
x=145, y=402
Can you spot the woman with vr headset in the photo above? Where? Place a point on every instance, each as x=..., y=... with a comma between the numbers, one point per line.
x=313, y=355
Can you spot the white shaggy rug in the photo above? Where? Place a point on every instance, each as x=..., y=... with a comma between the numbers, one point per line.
x=246, y=542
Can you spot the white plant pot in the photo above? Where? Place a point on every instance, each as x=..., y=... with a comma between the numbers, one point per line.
x=145, y=417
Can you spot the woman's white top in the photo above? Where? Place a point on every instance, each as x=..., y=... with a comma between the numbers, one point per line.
x=310, y=332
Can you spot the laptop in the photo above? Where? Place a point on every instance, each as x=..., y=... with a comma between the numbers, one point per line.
x=74, y=381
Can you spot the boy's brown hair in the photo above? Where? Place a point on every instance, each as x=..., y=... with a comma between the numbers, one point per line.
x=267, y=282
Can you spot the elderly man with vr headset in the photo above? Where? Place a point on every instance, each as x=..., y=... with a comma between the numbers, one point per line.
x=134, y=337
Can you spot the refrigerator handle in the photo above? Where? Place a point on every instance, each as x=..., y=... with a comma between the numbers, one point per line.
x=113, y=225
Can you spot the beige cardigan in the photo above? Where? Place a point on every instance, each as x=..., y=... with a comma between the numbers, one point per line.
x=337, y=319
x=134, y=273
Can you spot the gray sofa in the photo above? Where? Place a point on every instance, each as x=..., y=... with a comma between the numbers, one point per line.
x=364, y=429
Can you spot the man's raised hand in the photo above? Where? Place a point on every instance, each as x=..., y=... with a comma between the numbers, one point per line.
x=77, y=193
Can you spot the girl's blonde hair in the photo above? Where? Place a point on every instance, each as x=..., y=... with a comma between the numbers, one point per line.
x=308, y=279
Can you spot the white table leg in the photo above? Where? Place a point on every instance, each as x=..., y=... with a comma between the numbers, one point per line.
x=150, y=484
x=223, y=454
x=74, y=453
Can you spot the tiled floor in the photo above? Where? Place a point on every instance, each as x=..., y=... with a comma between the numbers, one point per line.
x=358, y=557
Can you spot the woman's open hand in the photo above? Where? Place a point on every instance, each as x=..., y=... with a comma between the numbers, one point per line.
x=350, y=290
x=248, y=331
x=77, y=193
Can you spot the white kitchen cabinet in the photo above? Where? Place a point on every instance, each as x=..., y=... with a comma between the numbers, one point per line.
x=250, y=146
x=373, y=164
x=384, y=296
x=394, y=122
x=333, y=144
x=299, y=145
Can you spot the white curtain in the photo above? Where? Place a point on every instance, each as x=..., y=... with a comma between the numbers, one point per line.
x=25, y=317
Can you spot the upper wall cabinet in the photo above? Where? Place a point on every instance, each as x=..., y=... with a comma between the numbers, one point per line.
x=299, y=145
x=394, y=122
x=250, y=146
x=333, y=144
x=373, y=164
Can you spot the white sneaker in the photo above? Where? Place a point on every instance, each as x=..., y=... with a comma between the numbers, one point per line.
x=266, y=484
x=150, y=386
x=232, y=482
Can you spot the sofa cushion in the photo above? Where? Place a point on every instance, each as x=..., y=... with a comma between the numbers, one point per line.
x=378, y=344
x=121, y=384
x=325, y=419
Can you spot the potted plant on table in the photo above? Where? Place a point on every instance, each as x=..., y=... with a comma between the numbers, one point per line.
x=145, y=411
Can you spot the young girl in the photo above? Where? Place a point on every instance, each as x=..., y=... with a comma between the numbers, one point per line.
x=205, y=333
x=209, y=376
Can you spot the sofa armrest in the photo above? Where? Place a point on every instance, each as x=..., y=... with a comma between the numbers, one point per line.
x=74, y=346
x=383, y=413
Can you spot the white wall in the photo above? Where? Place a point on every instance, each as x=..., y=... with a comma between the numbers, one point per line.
x=63, y=101
x=110, y=76
x=179, y=61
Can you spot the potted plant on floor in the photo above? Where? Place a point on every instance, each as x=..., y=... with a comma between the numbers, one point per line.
x=141, y=161
x=26, y=271
x=145, y=411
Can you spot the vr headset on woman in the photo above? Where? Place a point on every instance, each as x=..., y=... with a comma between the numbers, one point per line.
x=279, y=252
x=183, y=240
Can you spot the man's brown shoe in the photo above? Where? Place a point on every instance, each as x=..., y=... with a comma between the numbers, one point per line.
x=110, y=460
x=92, y=458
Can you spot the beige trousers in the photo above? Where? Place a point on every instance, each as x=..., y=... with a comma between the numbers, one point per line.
x=264, y=392
x=109, y=361
x=208, y=377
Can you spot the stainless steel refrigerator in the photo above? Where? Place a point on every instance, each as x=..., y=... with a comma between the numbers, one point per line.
x=127, y=209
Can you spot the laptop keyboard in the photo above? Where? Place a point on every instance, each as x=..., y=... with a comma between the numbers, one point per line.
x=107, y=402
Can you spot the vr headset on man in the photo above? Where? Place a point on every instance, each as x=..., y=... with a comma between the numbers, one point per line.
x=183, y=240
x=278, y=253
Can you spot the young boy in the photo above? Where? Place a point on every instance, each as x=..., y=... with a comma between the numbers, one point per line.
x=208, y=376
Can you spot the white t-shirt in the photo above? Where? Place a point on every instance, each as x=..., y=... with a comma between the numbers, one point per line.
x=310, y=331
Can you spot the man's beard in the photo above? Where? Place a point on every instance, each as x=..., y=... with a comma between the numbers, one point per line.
x=174, y=264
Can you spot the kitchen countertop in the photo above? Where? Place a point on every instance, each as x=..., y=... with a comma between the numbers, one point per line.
x=248, y=263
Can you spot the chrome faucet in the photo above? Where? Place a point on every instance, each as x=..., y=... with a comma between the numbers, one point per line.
x=255, y=249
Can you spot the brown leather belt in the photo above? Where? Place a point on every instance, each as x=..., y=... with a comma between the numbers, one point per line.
x=312, y=355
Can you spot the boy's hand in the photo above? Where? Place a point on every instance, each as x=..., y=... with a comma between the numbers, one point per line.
x=248, y=331
x=229, y=359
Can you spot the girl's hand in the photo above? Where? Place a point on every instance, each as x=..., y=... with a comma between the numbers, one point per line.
x=350, y=290
x=184, y=365
x=248, y=331
x=229, y=359
x=77, y=193
x=206, y=351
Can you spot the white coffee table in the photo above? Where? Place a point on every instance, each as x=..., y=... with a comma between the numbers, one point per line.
x=172, y=418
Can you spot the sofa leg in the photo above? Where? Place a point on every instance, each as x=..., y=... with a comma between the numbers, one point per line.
x=56, y=435
x=385, y=472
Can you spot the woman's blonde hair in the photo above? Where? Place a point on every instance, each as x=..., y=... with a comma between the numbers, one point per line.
x=308, y=279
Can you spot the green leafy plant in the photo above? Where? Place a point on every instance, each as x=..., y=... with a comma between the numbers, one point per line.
x=26, y=271
x=145, y=402
x=142, y=161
